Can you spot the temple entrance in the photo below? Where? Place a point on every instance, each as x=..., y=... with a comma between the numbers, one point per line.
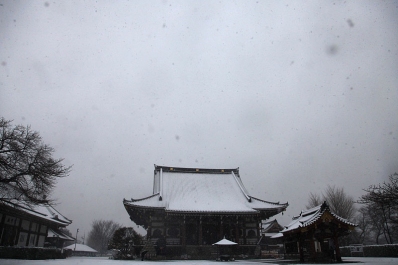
x=210, y=234
x=228, y=232
x=192, y=234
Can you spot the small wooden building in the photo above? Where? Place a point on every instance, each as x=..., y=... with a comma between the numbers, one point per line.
x=81, y=250
x=271, y=245
x=26, y=225
x=192, y=208
x=314, y=234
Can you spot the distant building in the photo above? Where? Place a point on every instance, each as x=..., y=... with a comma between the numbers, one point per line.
x=270, y=229
x=192, y=207
x=26, y=225
x=81, y=250
x=314, y=233
x=271, y=244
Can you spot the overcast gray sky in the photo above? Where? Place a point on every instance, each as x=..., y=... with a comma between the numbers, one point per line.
x=298, y=94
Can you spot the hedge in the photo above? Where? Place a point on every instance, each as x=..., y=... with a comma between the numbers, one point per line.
x=31, y=253
x=372, y=251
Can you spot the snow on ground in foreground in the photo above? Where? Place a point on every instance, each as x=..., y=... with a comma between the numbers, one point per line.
x=106, y=261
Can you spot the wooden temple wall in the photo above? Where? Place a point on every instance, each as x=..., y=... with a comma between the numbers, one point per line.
x=22, y=232
x=203, y=230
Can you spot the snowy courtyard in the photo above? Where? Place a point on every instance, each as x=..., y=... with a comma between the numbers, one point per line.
x=106, y=261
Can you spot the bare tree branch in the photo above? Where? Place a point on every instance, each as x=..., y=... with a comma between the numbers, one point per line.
x=28, y=172
x=339, y=202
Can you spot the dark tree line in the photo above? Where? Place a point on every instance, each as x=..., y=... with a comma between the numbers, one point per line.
x=28, y=171
x=124, y=239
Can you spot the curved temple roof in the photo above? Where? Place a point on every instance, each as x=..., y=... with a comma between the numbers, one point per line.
x=42, y=211
x=310, y=216
x=202, y=190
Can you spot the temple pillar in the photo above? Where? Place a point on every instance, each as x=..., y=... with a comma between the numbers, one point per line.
x=237, y=232
x=200, y=231
x=313, y=248
x=221, y=231
x=183, y=233
x=244, y=233
x=166, y=225
x=301, y=248
x=258, y=230
x=149, y=233
x=337, y=248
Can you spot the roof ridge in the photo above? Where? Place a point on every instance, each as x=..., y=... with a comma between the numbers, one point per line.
x=50, y=208
x=196, y=169
x=16, y=205
x=153, y=195
x=242, y=188
x=275, y=203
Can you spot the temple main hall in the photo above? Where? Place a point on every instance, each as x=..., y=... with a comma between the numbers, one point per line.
x=192, y=208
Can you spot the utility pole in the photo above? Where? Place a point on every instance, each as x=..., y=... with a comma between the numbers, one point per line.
x=77, y=231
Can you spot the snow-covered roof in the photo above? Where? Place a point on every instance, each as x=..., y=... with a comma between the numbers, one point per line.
x=269, y=234
x=225, y=242
x=278, y=235
x=80, y=247
x=310, y=216
x=42, y=211
x=270, y=227
x=201, y=190
x=59, y=234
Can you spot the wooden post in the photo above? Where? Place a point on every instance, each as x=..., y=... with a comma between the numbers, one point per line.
x=38, y=235
x=183, y=233
x=3, y=219
x=337, y=248
x=258, y=229
x=313, y=249
x=237, y=232
x=18, y=231
x=301, y=248
x=200, y=231
x=244, y=232
x=29, y=233
x=166, y=225
x=149, y=233
x=221, y=229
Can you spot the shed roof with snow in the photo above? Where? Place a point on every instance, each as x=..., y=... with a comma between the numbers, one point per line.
x=81, y=248
x=198, y=190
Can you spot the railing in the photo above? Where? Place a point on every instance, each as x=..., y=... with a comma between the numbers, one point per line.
x=251, y=241
x=173, y=241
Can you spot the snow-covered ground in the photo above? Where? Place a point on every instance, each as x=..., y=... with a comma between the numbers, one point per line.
x=106, y=261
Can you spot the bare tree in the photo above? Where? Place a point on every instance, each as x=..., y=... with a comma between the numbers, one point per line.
x=386, y=193
x=314, y=200
x=28, y=171
x=364, y=222
x=377, y=221
x=383, y=199
x=339, y=202
x=101, y=233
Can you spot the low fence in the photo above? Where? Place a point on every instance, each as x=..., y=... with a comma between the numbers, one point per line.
x=370, y=251
x=32, y=253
